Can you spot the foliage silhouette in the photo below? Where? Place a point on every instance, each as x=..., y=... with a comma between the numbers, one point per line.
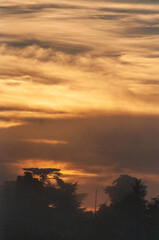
x=43, y=173
x=124, y=186
x=127, y=210
x=33, y=208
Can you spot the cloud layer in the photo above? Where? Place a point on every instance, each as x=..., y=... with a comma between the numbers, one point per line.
x=79, y=89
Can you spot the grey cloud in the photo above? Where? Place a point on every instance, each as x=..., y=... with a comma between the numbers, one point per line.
x=129, y=10
x=29, y=9
x=27, y=42
x=138, y=1
x=29, y=109
x=141, y=31
x=30, y=75
x=153, y=55
x=35, y=119
x=49, y=53
x=24, y=9
x=7, y=35
x=107, y=17
x=38, y=114
x=130, y=142
x=132, y=1
x=150, y=82
x=63, y=46
x=21, y=73
x=108, y=146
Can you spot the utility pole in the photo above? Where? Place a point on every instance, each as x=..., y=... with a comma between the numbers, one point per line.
x=95, y=207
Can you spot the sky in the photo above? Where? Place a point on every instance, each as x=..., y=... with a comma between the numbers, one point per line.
x=79, y=90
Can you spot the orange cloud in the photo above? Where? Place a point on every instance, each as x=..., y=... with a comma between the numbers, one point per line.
x=46, y=141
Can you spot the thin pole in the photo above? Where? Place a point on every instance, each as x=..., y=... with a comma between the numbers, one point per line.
x=95, y=208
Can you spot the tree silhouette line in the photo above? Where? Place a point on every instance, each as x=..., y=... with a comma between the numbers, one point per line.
x=40, y=205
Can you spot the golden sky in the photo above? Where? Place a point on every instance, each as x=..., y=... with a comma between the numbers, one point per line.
x=79, y=89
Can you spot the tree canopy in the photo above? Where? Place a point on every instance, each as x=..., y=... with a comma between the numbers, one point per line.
x=43, y=173
x=33, y=208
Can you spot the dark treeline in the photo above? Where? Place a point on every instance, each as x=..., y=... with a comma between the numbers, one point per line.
x=33, y=208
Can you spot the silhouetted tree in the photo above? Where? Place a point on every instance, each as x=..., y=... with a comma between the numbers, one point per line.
x=37, y=209
x=153, y=219
x=126, y=212
x=123, y=186
x=44, y=173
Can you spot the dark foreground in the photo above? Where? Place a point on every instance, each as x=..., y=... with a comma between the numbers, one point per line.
x=33, y=209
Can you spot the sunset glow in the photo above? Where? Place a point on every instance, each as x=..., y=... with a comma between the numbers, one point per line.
x=79, y=89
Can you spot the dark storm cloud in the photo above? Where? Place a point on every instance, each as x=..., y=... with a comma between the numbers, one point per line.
x=128, y=142
x=106, y=146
